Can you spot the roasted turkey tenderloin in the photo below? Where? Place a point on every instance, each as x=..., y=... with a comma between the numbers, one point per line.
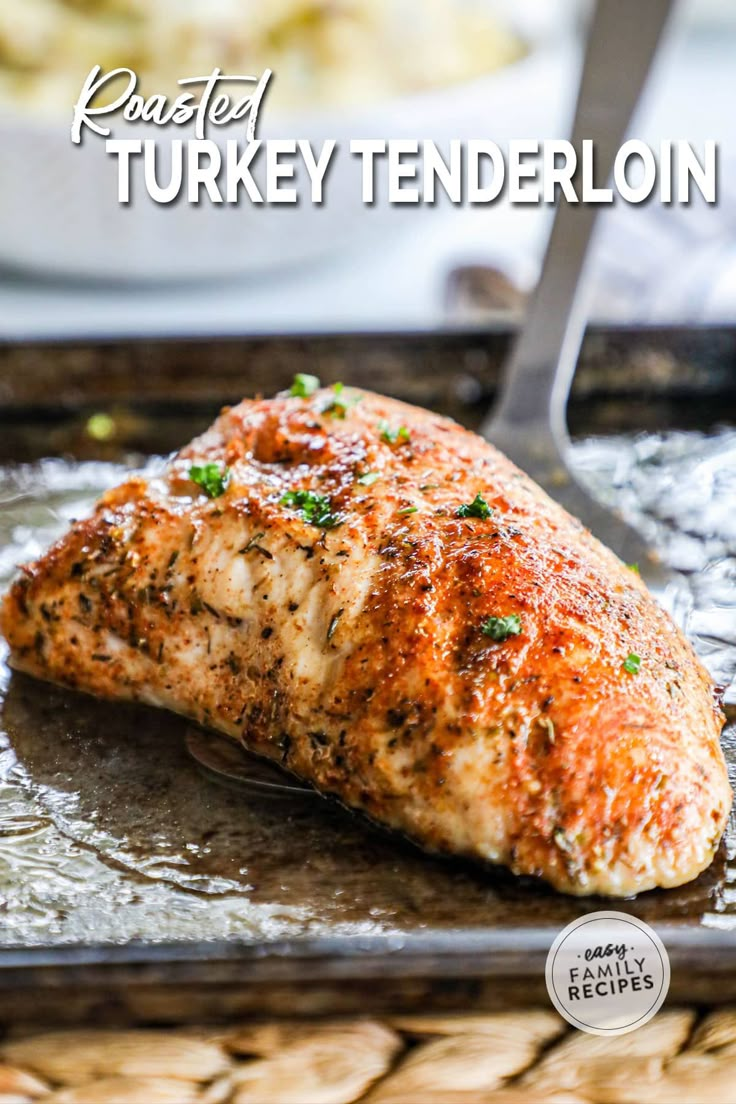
x=380, y=601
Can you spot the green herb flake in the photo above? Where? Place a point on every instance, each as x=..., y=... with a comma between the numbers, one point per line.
x=368, y=478
x=408, y=510
x=390, y=435
x=632, y=664
x=254, y=546
x=478, y=508
x=304, y=385
x=339, y=405
x=634, y=567
x=211, y=478
x=315, y=509
x=501, y=628
x=100, y=427
x=333, y=624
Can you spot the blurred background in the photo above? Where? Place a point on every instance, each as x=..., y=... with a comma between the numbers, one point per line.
x=73, y=263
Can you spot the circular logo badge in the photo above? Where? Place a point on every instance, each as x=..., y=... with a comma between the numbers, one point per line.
x=607, y=973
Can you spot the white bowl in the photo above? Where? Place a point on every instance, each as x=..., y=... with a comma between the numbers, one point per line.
x=59, y=213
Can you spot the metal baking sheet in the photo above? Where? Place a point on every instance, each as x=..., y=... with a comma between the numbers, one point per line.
x=124, y=868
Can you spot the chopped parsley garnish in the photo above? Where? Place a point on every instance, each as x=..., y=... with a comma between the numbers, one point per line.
x=634, y=567
x=391, y=435
x=341, y=403
x=632, y=664
x=211, y=478
x=478, y=508
x=368, y=478
x=501, y=628
x=304, y=386
x=408, y=510
x=100, y=427
x=315, y=509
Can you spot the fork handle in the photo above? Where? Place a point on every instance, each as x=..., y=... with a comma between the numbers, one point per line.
x=622, y=41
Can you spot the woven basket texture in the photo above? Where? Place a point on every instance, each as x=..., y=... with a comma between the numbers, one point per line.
x=682, y=1056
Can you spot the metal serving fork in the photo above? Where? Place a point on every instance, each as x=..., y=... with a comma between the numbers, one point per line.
x=529, y=423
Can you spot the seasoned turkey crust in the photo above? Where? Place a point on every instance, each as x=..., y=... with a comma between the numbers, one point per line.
x=352, y=651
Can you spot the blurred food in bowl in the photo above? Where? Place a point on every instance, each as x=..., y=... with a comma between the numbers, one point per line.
x=343, y=69
x=323, y=52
